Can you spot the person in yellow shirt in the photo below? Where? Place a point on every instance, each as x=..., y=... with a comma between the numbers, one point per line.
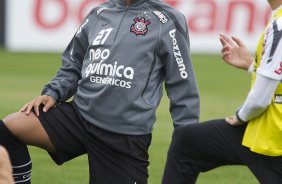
x=253, y=136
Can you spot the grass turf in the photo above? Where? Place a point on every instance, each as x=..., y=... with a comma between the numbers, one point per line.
x=222, y=90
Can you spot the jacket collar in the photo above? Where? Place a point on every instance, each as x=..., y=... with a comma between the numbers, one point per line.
x=122, y=2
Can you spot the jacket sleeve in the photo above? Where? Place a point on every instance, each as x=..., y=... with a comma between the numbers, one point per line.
x=180, y=81
x=64, y=84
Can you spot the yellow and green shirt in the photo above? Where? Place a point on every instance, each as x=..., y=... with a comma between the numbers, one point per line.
x=263, y=134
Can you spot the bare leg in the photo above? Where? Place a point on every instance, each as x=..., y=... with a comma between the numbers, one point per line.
x=29, y=130
x=16, y=131
x=5, y=168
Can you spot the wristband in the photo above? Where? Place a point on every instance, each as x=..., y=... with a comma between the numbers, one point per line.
x=238, y=117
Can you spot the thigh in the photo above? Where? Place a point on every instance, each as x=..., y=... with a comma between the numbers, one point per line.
x=58, y=131
x=215, y=142
x=201, y=147
x=29, y=130
x=116, y=158
x=63, y=125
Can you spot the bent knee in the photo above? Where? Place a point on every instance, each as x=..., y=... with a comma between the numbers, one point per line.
x=185, y=138
x=28, y=130
x=185, y=132
x=13, y=118
x=19, y=122
x=180, y=135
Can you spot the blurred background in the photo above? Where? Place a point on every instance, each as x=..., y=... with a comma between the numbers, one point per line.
x=33, y=33
x=48, y=25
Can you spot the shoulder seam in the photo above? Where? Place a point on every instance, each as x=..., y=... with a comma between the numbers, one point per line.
x=172, y=17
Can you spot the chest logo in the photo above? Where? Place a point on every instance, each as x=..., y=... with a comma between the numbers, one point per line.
x=140, y=26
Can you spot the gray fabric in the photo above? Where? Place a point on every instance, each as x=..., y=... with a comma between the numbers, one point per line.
x=116, y=63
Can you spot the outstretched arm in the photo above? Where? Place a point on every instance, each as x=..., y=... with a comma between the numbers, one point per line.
x=235, y=53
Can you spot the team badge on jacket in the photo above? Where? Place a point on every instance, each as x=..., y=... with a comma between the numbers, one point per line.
x=140, y=26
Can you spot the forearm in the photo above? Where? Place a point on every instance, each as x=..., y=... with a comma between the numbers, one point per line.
x=258, y=98
x=64, y=84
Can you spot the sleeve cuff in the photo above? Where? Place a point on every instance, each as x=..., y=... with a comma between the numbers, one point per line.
x=251, y=68
x=51, y=93
x=238, y=117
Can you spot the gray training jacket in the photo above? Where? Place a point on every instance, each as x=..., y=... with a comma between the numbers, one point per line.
x=116, y=63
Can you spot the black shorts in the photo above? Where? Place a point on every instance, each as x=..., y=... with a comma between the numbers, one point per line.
x=113, y=158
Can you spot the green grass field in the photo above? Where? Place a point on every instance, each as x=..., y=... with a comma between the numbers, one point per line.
x=222, y=89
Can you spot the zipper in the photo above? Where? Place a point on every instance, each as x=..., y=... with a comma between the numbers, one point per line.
x=124, y=12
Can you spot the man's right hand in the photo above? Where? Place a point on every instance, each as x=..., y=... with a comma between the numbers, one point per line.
x=47, y=101
x=235, y=53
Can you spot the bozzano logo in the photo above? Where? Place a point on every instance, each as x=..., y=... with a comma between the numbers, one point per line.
x=178, y=56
